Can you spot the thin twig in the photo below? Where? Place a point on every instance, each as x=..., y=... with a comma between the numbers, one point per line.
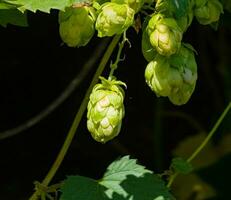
x=55, y=166
x=203, y=144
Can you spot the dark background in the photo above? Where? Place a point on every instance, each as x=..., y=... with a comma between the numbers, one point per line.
x=36, y=68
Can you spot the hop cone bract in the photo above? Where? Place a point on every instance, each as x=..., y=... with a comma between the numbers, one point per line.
x=105, y=110
x=77, y=26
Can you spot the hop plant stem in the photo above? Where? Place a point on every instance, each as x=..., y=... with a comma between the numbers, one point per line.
x=203, y=144
x=118, y=57
x=77, y=119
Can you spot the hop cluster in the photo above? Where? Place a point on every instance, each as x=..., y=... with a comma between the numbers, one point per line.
x=77, y=26
x=105, y=110
x=174, y=77
x=172, y=69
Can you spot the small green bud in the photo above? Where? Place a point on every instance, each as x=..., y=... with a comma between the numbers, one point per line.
x=114, y=19
x=207, y=11
x=175, y=77
x=165, y=34
x=77, y=26
x=105, y=110
x=134, y=4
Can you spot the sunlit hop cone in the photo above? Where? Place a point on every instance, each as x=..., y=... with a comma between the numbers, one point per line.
x=134, y=4
x=186, y=65
x=105, y=110
x=207, y=11
x=160, y=77
x=165, y=34
x=77, y=26
x=175, y=77
x=114, y=19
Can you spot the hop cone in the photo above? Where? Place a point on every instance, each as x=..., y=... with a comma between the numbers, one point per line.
x=186, y=65
x=105, y=110
x=175, y=77
x=134, y=4
x=77, y=26
x=207, y=11
x=114, y=19
x=165, y=34
x=160, y=77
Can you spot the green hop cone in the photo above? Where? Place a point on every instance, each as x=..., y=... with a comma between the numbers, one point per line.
x=160, y=77
x=105, y=110
x=165, y=34
x=207, y=11
x=186, y=65
x=134, y=4
x=175, y=77
x=114, y=19
x=77, y=26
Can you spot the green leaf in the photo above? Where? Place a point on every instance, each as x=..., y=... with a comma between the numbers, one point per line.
x=82, y=188
x=4, y=5
x=190, y=47
x=181, y=7
x=14, y=17
x=43, y=5
x=118, y=171
x=124, y=179
x=180, y=165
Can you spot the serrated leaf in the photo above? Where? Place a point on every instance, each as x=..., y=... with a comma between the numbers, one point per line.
x=181, y=7
x=13, y=16
x=79, y=187
x=4, y=5
x=123, y=180
x=181, y=166
x=43, y=5
x=118, y=171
